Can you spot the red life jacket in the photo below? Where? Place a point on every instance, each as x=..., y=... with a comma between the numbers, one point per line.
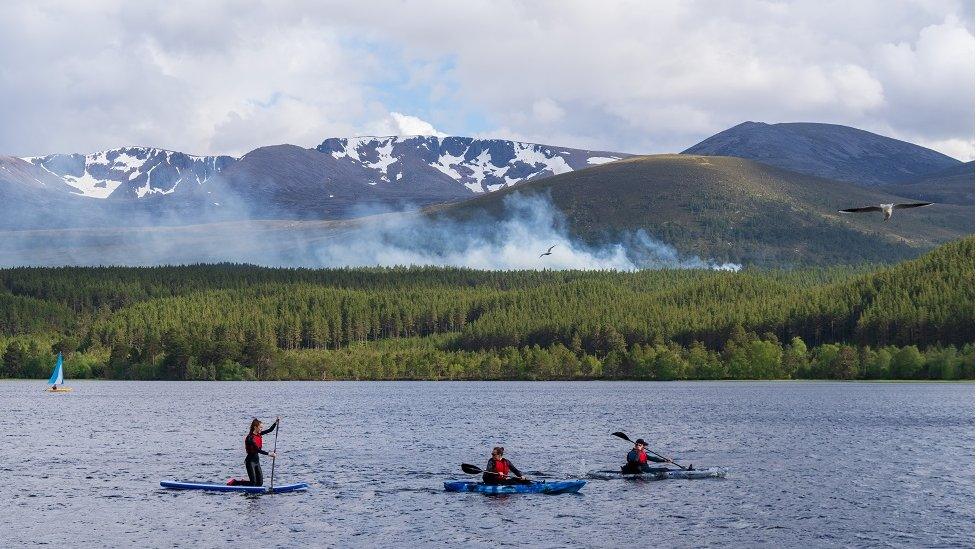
x=500, y=466
x=252, y=443
x=641, y=457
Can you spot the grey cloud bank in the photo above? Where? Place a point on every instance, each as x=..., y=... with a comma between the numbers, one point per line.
x=224, y=78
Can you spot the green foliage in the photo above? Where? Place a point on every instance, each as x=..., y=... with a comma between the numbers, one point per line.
x=907, y=363
x=234, y=322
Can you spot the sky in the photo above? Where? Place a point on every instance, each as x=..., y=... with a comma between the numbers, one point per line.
x=225, y=77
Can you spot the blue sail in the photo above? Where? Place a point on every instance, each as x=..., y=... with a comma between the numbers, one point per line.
x=57, y=376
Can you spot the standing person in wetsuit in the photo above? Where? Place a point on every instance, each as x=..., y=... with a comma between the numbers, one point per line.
x=637, y=459
x=499, y=469
x=252, y=445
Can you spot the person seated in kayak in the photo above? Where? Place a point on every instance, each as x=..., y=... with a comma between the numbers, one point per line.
x=499, y=469
x=252, y=462
x=638, y=457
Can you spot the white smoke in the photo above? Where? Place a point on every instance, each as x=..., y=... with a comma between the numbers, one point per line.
x=527, y=227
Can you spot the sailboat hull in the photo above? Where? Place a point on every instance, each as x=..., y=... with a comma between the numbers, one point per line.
x=59, y=390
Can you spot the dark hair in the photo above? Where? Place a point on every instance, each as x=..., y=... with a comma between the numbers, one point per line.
x=498, y=450
x=254, y=423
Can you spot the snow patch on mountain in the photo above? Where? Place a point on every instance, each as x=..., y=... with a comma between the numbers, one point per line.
x=418, y=169
x=130, y=172
x=448, y=164
x=480, y=165
x=89, y=185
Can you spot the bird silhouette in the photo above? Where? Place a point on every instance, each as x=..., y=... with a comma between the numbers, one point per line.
x=886, y=208
x=549, y=251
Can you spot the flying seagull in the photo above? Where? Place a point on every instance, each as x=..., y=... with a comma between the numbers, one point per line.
x=886, y=208
x=549, y=251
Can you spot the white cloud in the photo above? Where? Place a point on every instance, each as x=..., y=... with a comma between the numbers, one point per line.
x=957, y=148
x=547, y=111
x=395, y=123
x=636, y=77
x=411, y=125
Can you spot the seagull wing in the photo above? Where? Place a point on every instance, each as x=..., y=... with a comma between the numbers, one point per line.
x=912, y=205
x=864, y=209
x=549, y=251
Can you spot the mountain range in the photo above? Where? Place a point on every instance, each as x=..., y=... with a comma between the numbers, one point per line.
x=349, y=177
x=340, y=178
x=131, y=172
x=755, y=193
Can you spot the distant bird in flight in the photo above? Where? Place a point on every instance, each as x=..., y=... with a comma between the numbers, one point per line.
x=886, y=208
x=549, y=251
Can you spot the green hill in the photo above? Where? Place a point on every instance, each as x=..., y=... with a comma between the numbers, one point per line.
x=950, y=186
x=731, y=209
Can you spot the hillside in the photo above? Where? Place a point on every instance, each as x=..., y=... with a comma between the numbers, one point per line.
x=731, y=209
x=31, y=196
x=826, y=150
x=950, y=186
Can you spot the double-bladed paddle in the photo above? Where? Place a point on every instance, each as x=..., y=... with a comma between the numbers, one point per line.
x=475, y=470
x=618, y=434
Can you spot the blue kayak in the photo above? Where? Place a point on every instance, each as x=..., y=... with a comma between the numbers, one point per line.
x=557, y=487
x=176, y=485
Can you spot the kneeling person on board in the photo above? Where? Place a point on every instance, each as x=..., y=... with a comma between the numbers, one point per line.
x=637, y=459
x=252, y=445
x=499, y=468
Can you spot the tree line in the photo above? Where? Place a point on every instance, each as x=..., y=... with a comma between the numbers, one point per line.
x=913, y=320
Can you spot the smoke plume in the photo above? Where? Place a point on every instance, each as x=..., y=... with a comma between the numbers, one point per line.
x=528, y=226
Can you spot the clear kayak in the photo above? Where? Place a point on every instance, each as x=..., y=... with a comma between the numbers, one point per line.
x=659, y=474
x=177, y=485
x=544, y=487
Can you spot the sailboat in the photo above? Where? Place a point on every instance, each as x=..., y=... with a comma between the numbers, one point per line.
x=57, y=378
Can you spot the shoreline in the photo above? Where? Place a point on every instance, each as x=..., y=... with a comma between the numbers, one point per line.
x=876, y=381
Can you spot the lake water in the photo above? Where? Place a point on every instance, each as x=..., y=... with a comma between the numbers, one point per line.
x=811, y=464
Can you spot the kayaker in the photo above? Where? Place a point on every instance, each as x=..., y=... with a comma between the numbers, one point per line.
x=252, y=445
x=499, y=469
x=638, y=457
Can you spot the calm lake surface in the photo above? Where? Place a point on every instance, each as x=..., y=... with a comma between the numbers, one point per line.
x=811, y=464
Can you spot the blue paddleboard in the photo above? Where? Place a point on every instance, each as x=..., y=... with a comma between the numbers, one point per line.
x=176, y=485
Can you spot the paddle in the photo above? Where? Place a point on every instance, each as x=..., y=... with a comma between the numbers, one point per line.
x=275, y=452
x=475, y=470
x=618, y=434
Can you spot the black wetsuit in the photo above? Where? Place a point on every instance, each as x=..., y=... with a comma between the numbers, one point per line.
x=253, y=462
x=501, y=465
x=635, y=465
